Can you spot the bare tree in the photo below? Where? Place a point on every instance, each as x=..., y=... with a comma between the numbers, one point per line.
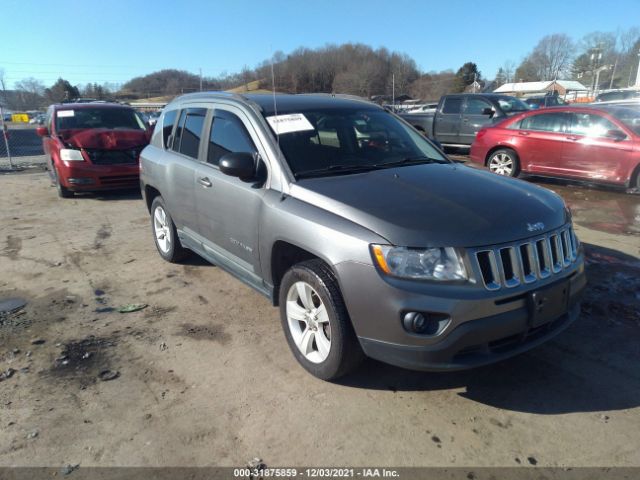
x=553, y=56
x=509, y=69
x=30, y=93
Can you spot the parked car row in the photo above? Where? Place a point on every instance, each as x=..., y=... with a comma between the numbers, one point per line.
x=368, y=238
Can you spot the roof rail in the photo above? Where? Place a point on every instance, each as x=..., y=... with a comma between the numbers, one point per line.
x=345, y=96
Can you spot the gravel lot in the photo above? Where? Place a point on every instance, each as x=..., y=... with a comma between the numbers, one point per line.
x=203, y=375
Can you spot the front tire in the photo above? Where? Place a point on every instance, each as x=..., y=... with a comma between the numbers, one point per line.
x=165, y=234
x=316, y=322
x=504, y=162
x=63, y=192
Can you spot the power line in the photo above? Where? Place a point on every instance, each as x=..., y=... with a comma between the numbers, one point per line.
x=102, y=65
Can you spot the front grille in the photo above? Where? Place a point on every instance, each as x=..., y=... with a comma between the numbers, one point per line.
x=120, y=180
x=528, y=261
x=114, y=157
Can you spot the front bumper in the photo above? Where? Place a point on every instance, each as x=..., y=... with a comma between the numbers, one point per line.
x=484, y=328
x=83, y=176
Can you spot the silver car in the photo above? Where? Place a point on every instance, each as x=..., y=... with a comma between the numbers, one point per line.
x=369, y=239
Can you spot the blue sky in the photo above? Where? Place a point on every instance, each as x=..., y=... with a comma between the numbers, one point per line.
x=113, y=41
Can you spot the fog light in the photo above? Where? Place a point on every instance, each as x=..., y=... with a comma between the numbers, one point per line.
x=415, y=322
x=81, y=181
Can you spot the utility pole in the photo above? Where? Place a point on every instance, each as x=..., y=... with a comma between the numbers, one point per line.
x=393, y=91
x=615, y=66
x=638, y=73
x=200, y=79
x=596, y=56
x=3, y=127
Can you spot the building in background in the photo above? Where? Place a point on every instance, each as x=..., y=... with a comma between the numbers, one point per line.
x=568, y=89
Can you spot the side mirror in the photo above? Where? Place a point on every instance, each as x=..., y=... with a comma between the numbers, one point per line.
x=488, y=111
x=616, y=135
x=238, y=164
x=42, y=131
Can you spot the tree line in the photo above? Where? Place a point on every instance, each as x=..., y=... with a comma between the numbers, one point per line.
x=358, y=69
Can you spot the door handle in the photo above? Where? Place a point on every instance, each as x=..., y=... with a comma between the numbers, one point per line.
x=205, y=182
x=570, y=137
x=523, y=133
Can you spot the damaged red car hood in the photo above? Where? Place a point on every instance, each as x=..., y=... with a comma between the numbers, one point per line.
x=105, y=138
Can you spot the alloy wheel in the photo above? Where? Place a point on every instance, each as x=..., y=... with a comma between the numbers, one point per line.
x=308, y=322
x=162, y=229
x=502, y=164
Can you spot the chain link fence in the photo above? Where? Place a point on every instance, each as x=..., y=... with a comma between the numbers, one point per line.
x=20, y=145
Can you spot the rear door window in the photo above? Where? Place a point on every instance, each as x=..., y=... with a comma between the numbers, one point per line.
x=192, y=132
x=452, y=105
x=546, y=122
x=186, y=139
x=228, y=134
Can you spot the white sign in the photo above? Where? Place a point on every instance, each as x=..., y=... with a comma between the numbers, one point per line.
x=293, y=122
x=65, y=113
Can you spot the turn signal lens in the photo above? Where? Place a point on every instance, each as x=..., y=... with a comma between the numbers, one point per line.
x=379, y=256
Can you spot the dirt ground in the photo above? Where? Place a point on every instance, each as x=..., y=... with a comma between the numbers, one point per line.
x=203, y=375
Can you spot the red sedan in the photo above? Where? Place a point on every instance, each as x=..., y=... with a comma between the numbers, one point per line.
x=584, y=143
x=93, y=146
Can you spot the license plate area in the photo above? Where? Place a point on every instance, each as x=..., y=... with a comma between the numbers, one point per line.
x=548, y=303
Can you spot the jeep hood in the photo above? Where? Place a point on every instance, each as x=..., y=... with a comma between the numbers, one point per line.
x=104, y=138
x=437, y=205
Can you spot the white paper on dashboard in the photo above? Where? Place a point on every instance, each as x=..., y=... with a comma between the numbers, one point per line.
x=65, y=113
x=293, y=122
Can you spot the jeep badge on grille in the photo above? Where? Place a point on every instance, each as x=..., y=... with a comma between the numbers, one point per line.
x=535, y=227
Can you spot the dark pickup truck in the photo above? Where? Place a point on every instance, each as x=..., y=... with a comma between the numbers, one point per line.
x=458, y=118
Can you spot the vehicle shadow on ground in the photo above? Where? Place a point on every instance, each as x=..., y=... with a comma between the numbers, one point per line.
x=591, y=367
x=110, y=196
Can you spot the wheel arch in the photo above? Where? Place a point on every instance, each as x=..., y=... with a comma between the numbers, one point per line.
x=284, y=255
x=150, y=193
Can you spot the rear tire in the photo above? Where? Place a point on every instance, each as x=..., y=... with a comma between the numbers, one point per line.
x=63, y=192
x=165, y=234
x=505, y=162
x=316, y=323
x=634, y=183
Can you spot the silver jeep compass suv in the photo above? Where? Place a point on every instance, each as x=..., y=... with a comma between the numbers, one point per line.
x=367, y=237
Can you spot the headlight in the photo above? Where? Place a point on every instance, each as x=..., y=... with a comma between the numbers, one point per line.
x=421, y=264
x=71, y=155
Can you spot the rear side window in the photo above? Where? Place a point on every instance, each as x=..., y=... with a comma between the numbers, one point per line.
x=452, y=105
x=546, y=122
x=175, y=141
x=186, y=140
x=228, y=134
x=167, y=126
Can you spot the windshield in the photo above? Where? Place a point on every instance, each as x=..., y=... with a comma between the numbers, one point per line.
x=339, y=140
x=512, y=104
x=114, y=118
x=628, y=116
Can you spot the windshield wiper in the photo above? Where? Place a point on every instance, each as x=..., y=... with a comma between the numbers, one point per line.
x=365, y=168
x=411, y=161
x=336, y=169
